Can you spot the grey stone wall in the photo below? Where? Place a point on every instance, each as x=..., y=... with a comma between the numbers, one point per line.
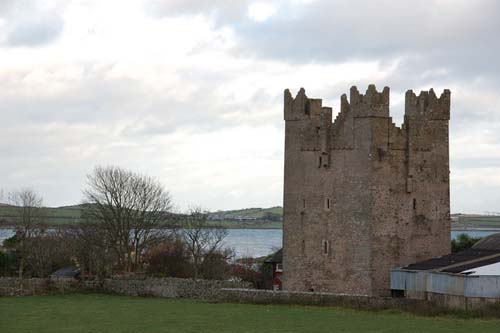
x=167, y=287
x=234, y=292
x=29, y=287
x=255, y=296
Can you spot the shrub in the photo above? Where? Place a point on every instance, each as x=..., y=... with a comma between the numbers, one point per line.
x=255, y=271
x=463, y=242
x=169, y=258
x=215, y=266
x=8, y=263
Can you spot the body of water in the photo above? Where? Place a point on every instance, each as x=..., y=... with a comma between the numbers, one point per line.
x=261, y=242
x=245, y=242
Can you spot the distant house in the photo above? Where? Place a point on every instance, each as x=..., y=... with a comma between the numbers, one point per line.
x=464, y=279
x=276, y=260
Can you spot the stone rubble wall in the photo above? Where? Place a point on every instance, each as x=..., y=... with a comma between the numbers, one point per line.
x=255, y=296
x=230, y=292
x=156, y=287
x=29, y=287
x=166, y=287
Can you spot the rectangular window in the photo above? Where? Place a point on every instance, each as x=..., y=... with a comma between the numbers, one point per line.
x=279, y=267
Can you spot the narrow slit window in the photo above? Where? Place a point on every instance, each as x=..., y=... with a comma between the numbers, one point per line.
x=320, y=160
x=326, y=247
x=414, y=203
x=303, y=203
x=328, y=203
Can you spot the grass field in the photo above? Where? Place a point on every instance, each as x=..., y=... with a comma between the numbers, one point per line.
x=104, y=313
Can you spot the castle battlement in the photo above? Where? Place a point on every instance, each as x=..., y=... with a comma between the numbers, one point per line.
x=371, y=104
x=361, y=194
x=428, y=105
x=319, y=133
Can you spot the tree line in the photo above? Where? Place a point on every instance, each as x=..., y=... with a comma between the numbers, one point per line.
x=127, y=228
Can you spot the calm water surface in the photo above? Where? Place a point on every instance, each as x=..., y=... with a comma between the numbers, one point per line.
x=245, y=242
x=261, y=242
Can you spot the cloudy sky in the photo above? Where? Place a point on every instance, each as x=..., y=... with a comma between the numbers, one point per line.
x=190, y=91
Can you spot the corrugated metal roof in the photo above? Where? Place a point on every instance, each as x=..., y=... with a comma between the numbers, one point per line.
x=472, y=265
x=452, y=259
x=491, y=242
x=483, y=253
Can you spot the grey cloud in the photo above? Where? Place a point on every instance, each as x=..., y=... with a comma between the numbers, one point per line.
x=97, y=99
x=457, y=36
x=34, y=33
x=28, y=24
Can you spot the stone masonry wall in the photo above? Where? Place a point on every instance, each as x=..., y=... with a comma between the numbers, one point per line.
x=167, y=287
x=361, y=195
x=255, y=296
x=30, y=287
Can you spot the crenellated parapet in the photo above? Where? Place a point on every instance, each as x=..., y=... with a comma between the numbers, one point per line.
x=419, y=130
x=295, y=108
x=371, y=104
x=427, y=105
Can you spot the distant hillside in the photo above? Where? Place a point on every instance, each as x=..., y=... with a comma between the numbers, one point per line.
x=255, y=213
x=474, y=221
x=55, y=216
x=244, y=218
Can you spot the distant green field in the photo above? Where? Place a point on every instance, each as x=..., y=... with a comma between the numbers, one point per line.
x=253, y=212
x=69, y=215
x=105, y=313
x=54, y=216
x=476, y=221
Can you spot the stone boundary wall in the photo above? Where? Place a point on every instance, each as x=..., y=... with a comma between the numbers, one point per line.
x=461, y=302
x=255, y=296
x=234, y=292
x=29, y=287
x=166, y=287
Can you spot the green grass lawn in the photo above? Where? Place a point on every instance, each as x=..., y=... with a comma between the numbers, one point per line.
x=103, y=313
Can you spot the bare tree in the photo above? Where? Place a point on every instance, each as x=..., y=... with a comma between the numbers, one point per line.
x=90, y=250
x=202, y=240
x=129, y=208
x=29, y=219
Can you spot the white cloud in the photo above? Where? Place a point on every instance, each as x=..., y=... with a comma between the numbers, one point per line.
x=261, y=11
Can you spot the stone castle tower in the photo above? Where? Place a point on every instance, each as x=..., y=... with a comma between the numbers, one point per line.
x=361, y=195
